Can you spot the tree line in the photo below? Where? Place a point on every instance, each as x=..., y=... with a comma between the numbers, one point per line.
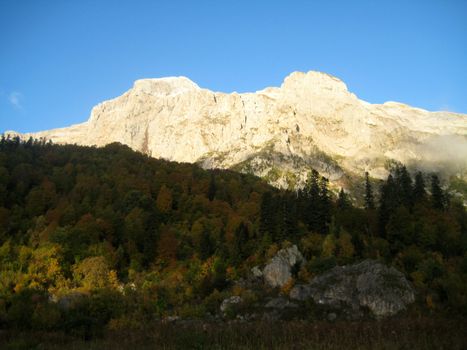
x=157, y=237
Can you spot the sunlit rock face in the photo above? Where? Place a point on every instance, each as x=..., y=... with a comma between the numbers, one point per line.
x=278, y=133
x=279, y=270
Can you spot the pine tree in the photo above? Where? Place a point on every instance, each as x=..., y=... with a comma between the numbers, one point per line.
x=437, y=195
x=212, y=188
x=343, y=201
x=268, y=216
x=313, y=207
x=240, y=243
x=291, y=215
x=324, y=206
x=287, y=223
x=419, y=192
x=312, y=186
x=302, y=205
x=387, y=204
x=404, y=186
x=369, y=198
x=280, y=218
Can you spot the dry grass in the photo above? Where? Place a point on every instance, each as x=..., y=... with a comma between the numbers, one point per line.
x=389, y=334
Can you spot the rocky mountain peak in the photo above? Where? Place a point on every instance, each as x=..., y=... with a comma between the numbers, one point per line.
x=164, y=86
x=313, y=80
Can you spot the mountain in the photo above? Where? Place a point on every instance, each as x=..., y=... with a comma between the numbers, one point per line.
x=311, y=120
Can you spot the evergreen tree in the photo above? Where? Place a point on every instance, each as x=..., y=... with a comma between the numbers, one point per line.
x=312, y=186
x=286, y=213
x=437, y=195
x=404, y=186
x=268, y=216
x=419, y=192
x=324, y=207
x=369, y=198
x=206, y=245
x=399, y=231
x=302, y=205
x=343, y=201
x=212, y=189
x=387, y=204
x=291, y=216
x=240, y=252
x=313, y=207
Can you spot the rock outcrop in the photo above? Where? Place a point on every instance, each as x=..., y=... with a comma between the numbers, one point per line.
x=355, y=289
x=280, y=269
x=278, y=133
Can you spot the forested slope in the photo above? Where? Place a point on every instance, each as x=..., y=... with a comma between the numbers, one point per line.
x=139, y=238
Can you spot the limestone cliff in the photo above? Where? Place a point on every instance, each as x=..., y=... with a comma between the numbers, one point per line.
x=278, y=133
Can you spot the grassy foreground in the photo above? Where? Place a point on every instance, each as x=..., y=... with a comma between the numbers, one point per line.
x=389, y=334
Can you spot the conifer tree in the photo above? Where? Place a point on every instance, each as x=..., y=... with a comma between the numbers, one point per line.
x=287, y=213
x=343, y=201
x=240, y=243
x=369, y=198
x=312, y=186
x=324, y=207
x=419, y=192
x=212, y=188
x=206, y=245
x=404, y=186
x=313, y=207
x=437, y=195
x=387, y=204
x=268, y=215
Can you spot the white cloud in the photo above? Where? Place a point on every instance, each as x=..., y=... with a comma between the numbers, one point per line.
x=15, y=98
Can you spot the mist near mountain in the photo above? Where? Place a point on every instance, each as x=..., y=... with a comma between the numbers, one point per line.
x=444, y=153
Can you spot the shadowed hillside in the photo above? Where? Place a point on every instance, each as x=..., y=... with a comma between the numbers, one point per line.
x=104, y=239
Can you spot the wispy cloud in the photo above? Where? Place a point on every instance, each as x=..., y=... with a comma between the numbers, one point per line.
x=15, y=98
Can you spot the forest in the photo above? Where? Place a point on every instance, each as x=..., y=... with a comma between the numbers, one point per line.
x=96, y=239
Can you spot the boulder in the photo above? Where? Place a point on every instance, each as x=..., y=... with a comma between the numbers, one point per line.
x=355, y=289
x=279, y=270
x=256, y=272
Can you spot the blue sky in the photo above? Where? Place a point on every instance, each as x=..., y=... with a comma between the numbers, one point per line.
x=59, y=58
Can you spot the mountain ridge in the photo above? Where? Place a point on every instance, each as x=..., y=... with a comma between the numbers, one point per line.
x=278, y=133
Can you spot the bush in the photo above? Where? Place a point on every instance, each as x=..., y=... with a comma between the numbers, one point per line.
x=22, y=307
x=213, y=302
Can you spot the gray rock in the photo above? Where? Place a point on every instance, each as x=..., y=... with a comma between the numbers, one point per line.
x=354, y=288
x=233, y=300
x=256, y=271
x=280, y=303
x=279, y=270
x=171, y=319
